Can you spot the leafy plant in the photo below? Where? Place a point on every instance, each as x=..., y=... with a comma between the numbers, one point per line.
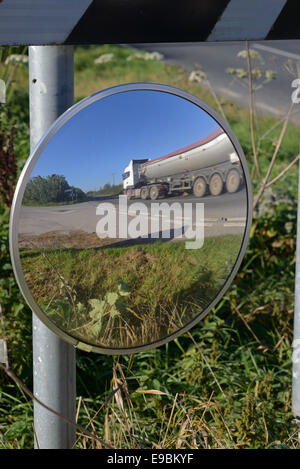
x=106, y=313
x=8, y=159
x=98, y=320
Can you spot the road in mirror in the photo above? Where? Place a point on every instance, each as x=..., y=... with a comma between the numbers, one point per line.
x=132, y=219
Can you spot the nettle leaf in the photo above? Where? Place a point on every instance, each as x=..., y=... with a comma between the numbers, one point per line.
x=96, y=328
x=114, y=313
x=111, y=298
x=18, y=307
x=98, y=308
x=123, y=288
x=59, y=309
x=121, y=303
x=62, y=306
x=80, y=307
x=95, y=303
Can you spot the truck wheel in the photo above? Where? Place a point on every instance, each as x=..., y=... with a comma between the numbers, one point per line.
x=216, y=184
x=199, y=187
x=154, y=192
x=233, y=180
x=129, y=194
x=144, y=193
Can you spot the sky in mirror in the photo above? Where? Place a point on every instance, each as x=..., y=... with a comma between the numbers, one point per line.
x=96, y=144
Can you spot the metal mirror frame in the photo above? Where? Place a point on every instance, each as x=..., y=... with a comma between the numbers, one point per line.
x=25, y=175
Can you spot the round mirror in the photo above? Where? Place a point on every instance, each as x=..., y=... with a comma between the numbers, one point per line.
x=130, y=218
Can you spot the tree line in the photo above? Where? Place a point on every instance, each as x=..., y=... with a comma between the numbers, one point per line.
x=51, y=189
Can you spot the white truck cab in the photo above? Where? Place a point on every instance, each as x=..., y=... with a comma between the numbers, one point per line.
x=131, y=175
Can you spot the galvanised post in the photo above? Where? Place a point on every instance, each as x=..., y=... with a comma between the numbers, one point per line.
x=51, y=89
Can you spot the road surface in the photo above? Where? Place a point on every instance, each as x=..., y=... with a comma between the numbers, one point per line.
x=225, y=214
x=214, y=58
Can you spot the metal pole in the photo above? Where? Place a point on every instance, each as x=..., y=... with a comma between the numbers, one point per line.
x=296, y=341
x=51, y=89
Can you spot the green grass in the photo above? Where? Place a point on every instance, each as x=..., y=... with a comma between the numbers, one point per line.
x=113, y=190
x=166, y=286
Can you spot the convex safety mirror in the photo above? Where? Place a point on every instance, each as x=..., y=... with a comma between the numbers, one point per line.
x=130, y=218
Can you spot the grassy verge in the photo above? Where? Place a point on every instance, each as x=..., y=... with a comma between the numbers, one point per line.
x=129, y=296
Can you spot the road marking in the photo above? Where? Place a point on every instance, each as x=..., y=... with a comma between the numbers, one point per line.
x=234, y=224
x=268, y=108
x=208, y=221
x=229, y=92
x=179, y=221
x=274, y=50
x=234, y=95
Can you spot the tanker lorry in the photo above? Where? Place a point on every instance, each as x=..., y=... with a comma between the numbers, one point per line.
x=208, y=166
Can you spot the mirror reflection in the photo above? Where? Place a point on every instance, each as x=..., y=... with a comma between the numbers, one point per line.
x=132, y=219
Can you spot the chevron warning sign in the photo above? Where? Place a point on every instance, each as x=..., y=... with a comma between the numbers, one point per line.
x=117, y=21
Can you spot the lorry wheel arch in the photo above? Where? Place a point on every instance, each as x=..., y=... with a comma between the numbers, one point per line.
x=216, y=184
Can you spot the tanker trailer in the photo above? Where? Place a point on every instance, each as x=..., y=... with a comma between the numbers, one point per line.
x=209, y=165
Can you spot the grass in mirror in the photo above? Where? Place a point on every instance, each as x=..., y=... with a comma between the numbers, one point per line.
x=128, y=296
x=228, y=383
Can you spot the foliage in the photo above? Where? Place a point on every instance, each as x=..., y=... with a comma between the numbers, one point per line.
x=109, y=309
x=8, y=163
x=13, y=60
x=106, y=190
x=14, y=309
x=51, y=189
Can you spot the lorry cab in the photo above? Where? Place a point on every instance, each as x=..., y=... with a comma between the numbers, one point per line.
x=131, y=176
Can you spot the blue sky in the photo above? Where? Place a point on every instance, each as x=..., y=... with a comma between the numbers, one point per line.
x=96, y=144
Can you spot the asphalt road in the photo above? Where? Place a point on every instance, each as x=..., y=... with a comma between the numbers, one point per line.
x=214, y=58
x=225, y=214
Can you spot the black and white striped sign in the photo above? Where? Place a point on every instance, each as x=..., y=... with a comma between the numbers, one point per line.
x=131, y=21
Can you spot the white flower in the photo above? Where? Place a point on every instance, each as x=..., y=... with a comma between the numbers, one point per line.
x=102, y=59
x=146, y=56
x=16, y=58
x=253, y=54
x=197, y=76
